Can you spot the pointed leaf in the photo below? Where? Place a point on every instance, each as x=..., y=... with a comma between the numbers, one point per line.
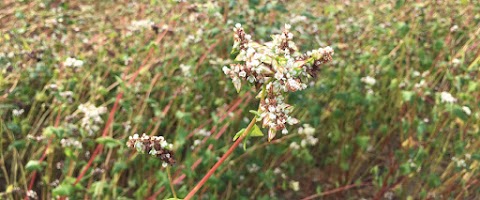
x=256, y=132
x=238, y=134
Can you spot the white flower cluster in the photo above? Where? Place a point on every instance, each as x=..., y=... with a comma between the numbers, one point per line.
x=307, y=131
x=72, y=62
x=446, y=97
x=203, y=132
x=17, y=112
x=156, y=146
x=91, y=119
x=279, y=68
x=294, y=185
x=186, y=70
x=69, y=142
x=32, y=194
x=253, y=168
x=141, y=24
x=459, y=162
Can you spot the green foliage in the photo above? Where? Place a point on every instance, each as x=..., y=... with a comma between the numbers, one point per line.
x=397, y=136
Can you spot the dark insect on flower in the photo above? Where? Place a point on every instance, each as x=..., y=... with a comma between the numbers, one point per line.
x=156, y=146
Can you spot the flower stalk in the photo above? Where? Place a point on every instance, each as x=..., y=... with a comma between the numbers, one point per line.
x=219, y=162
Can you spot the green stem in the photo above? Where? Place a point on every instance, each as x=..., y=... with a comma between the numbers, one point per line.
x=171, y=182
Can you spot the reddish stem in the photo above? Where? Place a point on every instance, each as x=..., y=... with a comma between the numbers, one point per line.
x=44, y=155
x=219, y=162
x=231, y=108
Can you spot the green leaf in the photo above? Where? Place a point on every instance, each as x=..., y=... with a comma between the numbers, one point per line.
x=256, y=113
x=363, y=141
x=238, y=134
x=63, y=190
x=460, y=113
x=407, y=95
x=256, y=132
x=119, y=166
x=33, y=165
x=108, y=142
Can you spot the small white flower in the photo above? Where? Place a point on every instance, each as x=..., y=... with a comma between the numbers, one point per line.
x=253, y=168
x=17, y=112
x=242, y=74
x=467, y=110
x=141, y=24
x=186, y=70
x=416, y=73
x=32, y=194
x=294, y=84
x=294, y=146
x=238, y=25
x=279, y=75
x=251, y=79
x=226, y=70
x=203, y=132
x=447, y=98
x=456, y=61
x=468, y=156
x=369, y=80
x=288, y=26
x=292, y=121
x=454, y=28
x=294, y=185
x=420, y=84
x=72, y=62
x=277, y=171
x=290, y=35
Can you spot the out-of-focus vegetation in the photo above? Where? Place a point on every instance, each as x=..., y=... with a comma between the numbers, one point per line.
x=396, y=115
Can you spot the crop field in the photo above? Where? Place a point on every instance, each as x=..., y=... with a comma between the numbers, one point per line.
x=247, y=99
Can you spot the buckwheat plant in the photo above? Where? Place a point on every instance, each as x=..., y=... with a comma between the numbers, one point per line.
x=278, y=68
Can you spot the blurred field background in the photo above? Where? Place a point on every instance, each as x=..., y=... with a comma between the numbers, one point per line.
x=394, y=116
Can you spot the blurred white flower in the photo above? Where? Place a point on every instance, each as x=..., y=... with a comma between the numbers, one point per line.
x=32, y=194
x=447, y=98
x=454, y=28
x=91, y=118
x=72, y=62
x=368, y=80
x=294, y=185
x=288, y=26
x=203, y=132
x=456, y=61
x=186, y=70
x=294, y=146
x=420, y=84
x=69, y=142
x=468, y=156
x=467, y=110
x=253, y=168
x=416, y=73
x=17, y=112
x=141, y=24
